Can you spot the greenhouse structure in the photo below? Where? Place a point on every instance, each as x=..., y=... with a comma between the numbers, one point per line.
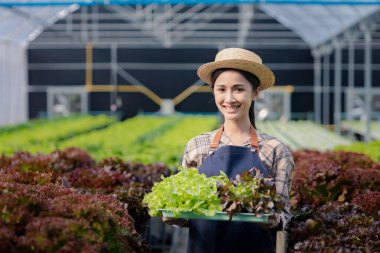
x=98, y=99
x=318, y=40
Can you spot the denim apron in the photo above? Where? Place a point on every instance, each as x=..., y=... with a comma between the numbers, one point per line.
x=206, y=236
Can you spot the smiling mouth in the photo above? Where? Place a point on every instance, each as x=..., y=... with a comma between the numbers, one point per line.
x=231, y=107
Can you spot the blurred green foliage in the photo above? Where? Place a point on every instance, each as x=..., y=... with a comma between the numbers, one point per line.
x=147, y=139
x=372, y=149
x=45, y=135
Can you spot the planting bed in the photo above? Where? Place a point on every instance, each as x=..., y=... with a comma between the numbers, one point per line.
x=67, y=199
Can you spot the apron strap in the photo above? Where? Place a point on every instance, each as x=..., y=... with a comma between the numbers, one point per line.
x=218, y=135
x=254, y=140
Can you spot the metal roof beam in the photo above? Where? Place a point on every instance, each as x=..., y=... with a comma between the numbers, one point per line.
x=202, y=41
x=129, y=13
x=189, y=14
x=134, y=26
x=200, y=18
x=184, y=15
x=262, y=34
x=167, y=16
x=11, y=3
x=246, y=16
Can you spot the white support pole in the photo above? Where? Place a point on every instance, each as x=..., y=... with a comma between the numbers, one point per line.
x=84, y=22
x=326, y=88
x=351, y=81
x=317, y=85
x=13, y=82
x=246, y=15
x=95, y=23
x=281, y=242
x=367, y=82
x=69, y=23
x=287, y=106
x=114, y=64
x=165, y=31
x=337, y=86
x=114, y=67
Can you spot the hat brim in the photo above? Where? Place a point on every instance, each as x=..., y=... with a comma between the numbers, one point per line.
x=263, y=73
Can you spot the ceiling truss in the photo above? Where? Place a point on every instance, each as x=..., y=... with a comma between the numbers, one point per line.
x=179, y=25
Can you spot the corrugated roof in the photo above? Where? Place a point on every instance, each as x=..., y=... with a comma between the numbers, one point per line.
x=23, y=24
x=316, y=24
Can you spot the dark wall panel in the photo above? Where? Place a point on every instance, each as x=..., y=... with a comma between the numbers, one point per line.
x=101, y=55
x=37, y=104
x=57, y=77
x=198, y=102
x=99, y=101
x=284, y=56
x=101, y=76
x=303, y=104
x=165, y=83
x=56, y=55
x=169, y=83
x=298, y=77
x=132, y=103
x=166, y=55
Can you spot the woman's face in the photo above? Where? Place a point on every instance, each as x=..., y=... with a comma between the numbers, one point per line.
x=233, y=95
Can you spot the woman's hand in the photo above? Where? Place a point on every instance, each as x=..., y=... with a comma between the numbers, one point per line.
x=175, y=222
x=273, y=221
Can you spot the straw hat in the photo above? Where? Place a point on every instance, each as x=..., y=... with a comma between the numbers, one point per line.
x=238, y=58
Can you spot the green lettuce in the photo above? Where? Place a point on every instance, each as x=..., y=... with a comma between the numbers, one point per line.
x=187, y=191
x=190, y=191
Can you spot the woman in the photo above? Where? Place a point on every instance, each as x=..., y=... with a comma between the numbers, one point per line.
x=236, y=78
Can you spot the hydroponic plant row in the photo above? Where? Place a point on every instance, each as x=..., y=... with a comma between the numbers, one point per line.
x=303, y=135
x=45, y=135
x=371, y=149
x=66, y=202
x=335, y=202
x=359, y=127
x=145, y=139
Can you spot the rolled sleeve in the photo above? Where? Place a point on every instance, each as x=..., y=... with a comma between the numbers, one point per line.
x=190, y=155
x=185, y=159
x=283, y=170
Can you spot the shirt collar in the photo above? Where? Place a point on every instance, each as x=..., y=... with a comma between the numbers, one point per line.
x=226, y=141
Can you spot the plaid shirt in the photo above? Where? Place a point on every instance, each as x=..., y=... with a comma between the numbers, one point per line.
x=274, y=154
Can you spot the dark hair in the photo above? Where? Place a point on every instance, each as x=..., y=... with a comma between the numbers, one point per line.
x=251, y=78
